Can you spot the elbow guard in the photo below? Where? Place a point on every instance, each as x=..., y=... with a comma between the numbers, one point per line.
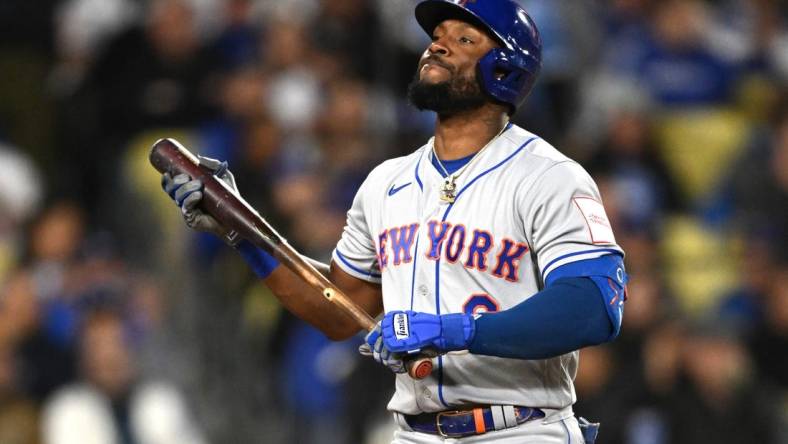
x=608, y=274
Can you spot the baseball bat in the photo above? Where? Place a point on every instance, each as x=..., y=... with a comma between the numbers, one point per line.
x=232, y=211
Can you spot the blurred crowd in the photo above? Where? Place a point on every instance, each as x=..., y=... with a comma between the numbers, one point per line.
x=118, y=325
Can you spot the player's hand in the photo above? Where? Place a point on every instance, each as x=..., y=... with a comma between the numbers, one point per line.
x=187, y=194
x=411, y=332
x=373, y=346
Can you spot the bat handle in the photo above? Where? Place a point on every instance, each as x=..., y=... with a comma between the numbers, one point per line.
x=419, y=367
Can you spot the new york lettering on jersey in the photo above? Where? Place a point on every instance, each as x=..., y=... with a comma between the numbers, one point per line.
x=448, y=242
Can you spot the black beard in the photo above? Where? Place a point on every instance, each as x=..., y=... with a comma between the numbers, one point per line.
x=453, y=96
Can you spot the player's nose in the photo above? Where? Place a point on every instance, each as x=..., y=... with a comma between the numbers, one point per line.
x=436, y=47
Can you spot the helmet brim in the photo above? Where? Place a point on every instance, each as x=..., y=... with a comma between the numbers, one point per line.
x=431, y=13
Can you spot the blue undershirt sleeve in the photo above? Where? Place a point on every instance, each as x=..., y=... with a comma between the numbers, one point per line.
x=262, y=263
x=566, y=316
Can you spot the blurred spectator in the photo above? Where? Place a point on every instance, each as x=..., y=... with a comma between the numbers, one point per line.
x=83, y=28
x=765, y=342
x=709, y=405
x=761, y=187
x=744, y=306
x=319, y=184
x=42, y=365
x=55, y=240
x=640, y=182
x=42, y=284
x=112, y=404
x=66, y=276
x=238, y=41
x=569, y=38
x=348, y=31
x=627, y=386
x=772, y=335
x=600, y=398
x=677, y=67
x=293, y=98
x=625, y=24
x=158, y=76
x=647, y=317
x=346, y=148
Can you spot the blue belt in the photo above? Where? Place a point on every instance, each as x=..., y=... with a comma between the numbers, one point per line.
x=461, y=423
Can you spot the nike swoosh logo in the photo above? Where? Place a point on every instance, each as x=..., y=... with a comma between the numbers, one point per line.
x=394, y=191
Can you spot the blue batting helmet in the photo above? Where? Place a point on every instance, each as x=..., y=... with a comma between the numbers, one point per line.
x=508, y=73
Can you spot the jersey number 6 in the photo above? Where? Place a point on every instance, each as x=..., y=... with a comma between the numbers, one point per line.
x=480, y=303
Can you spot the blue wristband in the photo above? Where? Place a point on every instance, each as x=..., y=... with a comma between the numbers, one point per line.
x=262, y=263
x=457, y=331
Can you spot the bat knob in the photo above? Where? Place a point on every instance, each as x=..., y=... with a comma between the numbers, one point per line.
x=421, y=368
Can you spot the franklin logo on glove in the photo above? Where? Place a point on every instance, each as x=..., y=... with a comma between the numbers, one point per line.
x=401, y=326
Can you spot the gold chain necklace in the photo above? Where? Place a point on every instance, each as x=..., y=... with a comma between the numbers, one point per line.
x=449, y=187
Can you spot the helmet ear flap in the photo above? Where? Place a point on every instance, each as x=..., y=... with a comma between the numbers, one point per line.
x=504, y=77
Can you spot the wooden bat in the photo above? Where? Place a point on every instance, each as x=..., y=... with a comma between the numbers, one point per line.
x=232, y=211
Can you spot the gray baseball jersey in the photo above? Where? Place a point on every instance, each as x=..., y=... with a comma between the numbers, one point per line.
x=521, y=210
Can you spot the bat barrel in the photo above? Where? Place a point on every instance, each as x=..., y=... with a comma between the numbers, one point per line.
x=167, y=155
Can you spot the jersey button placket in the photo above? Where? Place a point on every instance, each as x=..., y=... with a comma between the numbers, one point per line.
x=428, y=209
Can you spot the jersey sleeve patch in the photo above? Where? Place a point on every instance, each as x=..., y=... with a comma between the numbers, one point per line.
x=593, y=212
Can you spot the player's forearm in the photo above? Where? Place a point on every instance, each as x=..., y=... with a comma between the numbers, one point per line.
x=308, y=304
x=296, y=295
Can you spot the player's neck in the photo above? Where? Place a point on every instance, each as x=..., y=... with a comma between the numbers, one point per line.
x=461, y=135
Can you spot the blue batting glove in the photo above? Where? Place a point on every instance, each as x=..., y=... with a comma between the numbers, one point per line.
x=410, y=331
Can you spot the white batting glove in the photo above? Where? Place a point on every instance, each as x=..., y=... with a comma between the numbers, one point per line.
x=187, y=194
x=374, y=346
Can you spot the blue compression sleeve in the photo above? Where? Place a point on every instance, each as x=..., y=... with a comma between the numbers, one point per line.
x=568, y=315
x=262, y=263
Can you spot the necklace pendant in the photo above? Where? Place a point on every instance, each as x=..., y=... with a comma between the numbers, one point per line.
x=447, y=191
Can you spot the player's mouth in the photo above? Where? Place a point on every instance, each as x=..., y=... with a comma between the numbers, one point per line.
x=429, y=66
x=434, y=63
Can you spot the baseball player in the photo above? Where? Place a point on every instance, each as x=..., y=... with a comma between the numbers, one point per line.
x=485, y=248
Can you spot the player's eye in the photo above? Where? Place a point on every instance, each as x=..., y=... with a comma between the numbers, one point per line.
x=464, y=39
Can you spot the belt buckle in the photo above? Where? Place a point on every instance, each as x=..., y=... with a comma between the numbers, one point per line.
x=438, y=424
